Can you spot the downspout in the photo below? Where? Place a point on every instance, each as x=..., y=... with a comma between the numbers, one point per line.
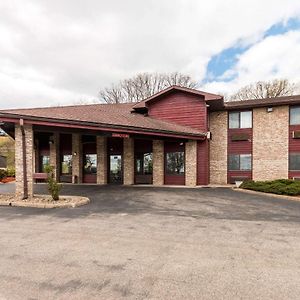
x=25, y=185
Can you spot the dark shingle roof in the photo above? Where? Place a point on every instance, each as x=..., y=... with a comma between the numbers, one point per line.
x=106, y=114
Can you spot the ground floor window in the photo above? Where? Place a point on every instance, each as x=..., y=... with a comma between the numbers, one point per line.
x=90, y=164
x=44, y=161
x=175, y=163
x=66, y=164
x=144, y=164
x=294, y=161
x=240, y=162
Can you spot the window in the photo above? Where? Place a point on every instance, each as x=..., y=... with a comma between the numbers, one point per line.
x=240, y=162
x=44, y=162
x=241, y=119
x=66, y=164
x=90, y=164
x=295, y=115
x=175, y=163
x=143, y=164
x=294, y=161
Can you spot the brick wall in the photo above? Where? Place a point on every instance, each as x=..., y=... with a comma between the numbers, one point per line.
x=76, y=159
x=128, y=166
x=191, y=163
x=270, y=143
x=54, y=155
x=218, y=147
x=158, y=162
x=101, y=160
x=19, y=160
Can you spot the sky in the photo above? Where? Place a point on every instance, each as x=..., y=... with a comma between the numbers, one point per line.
x=63, y=52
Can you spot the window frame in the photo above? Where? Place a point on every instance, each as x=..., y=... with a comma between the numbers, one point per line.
x=61, y=164
x=239, y=162
x=290, y=115
x=166, y=163
x=240, y=119
x=293, y=153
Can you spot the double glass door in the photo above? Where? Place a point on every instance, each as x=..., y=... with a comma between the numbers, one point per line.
x=115, y=169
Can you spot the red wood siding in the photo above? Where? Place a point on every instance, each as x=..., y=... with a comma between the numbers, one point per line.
x=239, y=147
x=180, y=108
x=169, y=178
x=203, y=163
x=294, y=147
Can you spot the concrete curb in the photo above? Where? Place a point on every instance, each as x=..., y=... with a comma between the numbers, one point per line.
x=293, y=198
x=28, y=203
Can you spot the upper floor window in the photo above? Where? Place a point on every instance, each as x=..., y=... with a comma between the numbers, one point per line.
x=241, y=119
x=240, y=162
x=295, y=115
x=294, y=161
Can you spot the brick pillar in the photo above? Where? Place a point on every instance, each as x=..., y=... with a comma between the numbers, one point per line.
x=22, y=185
x=101, y=160
x=54, y=154
x=128, y=144
x=76, y=158
x=191, y=163
x=158, y=162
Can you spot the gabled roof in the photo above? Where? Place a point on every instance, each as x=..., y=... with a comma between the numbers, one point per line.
x=204, y=95
x=114, y=116
x=252, y=103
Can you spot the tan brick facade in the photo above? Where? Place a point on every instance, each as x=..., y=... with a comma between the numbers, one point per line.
x=76, y=158
x=19, y=160
x=54, y=154
x=218, y=147
x=158, y=162
x=191, y=163
x=101, y=160
x=128, y=164
x=270, y=143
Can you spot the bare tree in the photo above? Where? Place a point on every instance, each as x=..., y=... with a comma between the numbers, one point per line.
x=142, y=86
x=265, y=89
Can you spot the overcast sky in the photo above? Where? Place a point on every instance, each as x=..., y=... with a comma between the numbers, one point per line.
x=63, y=51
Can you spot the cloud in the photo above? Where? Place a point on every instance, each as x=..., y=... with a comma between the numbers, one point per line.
x=63, y=51
x=273, y=57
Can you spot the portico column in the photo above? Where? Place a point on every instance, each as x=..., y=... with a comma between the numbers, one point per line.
x=54, y=154
x=191, y=163
x=128, y=161
x=101, y=159
x=158, y=162
x=76, y=158
x=24, y=161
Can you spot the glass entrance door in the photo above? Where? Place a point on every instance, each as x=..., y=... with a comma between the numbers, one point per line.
x=115, y=169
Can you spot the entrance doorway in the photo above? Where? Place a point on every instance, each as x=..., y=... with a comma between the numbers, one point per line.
x=115, y=169
x=115, y=160
x=89, y=150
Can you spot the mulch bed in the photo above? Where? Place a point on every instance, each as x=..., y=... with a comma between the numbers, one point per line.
x=44, y=201
x=7, y=180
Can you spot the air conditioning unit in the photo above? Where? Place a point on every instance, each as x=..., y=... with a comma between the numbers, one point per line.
x=296, y=178
x=296, y=134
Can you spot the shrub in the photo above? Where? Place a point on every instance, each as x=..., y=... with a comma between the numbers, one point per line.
x=279, y=186
x=11, y=172
x=3, y=174
x=53, y=186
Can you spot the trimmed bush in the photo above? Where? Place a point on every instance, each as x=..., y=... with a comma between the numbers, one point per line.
x=280, y=186
x=11, y=172
x=53, y=186
x=3, y=174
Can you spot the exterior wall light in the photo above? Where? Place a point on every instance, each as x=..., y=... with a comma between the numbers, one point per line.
x=75, y=153
x=269, y=109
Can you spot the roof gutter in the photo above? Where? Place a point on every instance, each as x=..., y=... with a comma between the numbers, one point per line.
x=8, y=117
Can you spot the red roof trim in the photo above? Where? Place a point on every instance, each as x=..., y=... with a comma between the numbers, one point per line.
x=206, y=96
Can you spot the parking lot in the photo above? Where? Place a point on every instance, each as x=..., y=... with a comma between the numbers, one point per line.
x=152, y=243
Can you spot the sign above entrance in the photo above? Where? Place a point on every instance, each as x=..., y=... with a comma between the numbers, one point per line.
x=120, y=135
